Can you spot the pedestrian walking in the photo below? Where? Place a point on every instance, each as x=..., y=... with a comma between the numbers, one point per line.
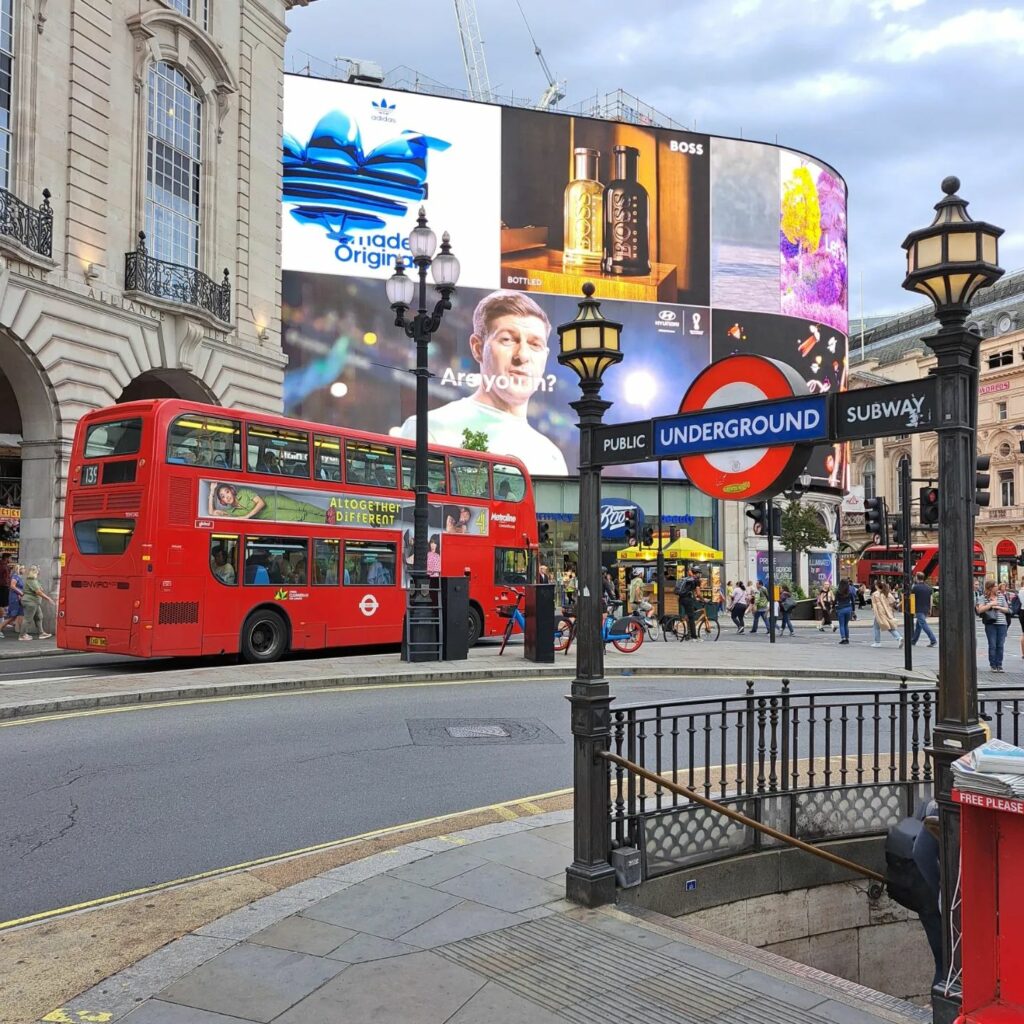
x=5, y=581
x=844, y=610
x=992, y=608
x=786, y=604
x=827, y=604
x=882, y=607
x=32, y=600
x=760, y=607
x=15, y=611
x=739, y=605
x=923, y=594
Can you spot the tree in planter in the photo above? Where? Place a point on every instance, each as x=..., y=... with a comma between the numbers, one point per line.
x=800, y=528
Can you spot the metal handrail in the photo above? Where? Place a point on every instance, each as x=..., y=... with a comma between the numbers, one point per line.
x=741, y=818
x=30, y=227
x=174, y=281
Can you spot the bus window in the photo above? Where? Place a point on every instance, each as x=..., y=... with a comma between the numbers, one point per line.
x=369, y=564
x=118, y=437
x=509, y=484
x=372, y=464
x=327, y=457
x=277, y=450
x=435, y=472
x=513, y=567
x=104, y=536
x=469, y=478
x=325, y=562
x=275, y=560
x=224, y=558
x=205, y=441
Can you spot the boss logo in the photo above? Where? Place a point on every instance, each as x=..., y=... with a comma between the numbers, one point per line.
x=693, y=148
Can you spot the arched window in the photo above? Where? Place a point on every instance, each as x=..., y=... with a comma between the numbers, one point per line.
x=868, y=476
x=173, y=155
x=6, y=88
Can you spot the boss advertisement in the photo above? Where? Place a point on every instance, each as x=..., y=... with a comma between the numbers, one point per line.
x=693, y=243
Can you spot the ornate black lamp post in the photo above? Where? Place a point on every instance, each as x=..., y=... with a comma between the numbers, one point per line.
x=589, y=345
x=423, y=637
x=949, y=261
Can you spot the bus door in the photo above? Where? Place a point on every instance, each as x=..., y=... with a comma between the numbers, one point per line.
x=372, y=596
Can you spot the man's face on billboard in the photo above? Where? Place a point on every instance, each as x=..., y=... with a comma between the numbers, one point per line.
x=512, y=359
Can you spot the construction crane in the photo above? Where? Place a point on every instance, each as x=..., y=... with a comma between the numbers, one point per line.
x=472, y=50
x=555, y=90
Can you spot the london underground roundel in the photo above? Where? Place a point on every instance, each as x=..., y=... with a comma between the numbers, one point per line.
x=748, y=474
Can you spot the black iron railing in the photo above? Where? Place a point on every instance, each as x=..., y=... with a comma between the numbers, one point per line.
x=175, y=282
x=31, y=227
x=815, y=764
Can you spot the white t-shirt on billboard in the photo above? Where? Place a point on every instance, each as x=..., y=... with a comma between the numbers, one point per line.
x=506, y=434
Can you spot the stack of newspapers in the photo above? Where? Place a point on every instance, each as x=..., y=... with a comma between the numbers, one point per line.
x=995, y=768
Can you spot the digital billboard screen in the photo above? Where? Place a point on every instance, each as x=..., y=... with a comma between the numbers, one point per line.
x=698, y=246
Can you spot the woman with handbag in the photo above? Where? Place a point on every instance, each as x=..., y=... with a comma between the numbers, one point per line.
x=992, y=607
x=827, y=604
x=881, y=606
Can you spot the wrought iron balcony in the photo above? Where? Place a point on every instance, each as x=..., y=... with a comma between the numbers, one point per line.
x=31, y=228
x=176, y=283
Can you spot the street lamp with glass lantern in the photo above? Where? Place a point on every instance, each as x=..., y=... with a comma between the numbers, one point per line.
x=589, y=345
x=424, y=641
x=949, y=261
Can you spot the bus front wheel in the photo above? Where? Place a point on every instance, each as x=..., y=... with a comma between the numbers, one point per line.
x=264, y=636
x=475, y=628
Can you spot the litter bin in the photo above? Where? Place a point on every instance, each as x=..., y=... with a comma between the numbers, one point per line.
x=454, y=618
x=539, y=641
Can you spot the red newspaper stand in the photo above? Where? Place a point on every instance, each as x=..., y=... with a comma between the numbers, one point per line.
x=992, y=911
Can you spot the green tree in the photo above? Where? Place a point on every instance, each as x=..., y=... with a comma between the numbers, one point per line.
x=800, y=528
x=474, y=440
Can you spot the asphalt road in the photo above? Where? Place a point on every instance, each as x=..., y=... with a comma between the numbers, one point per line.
x=95, y=805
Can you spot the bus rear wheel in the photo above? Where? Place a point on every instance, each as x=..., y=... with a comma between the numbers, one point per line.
x=264, y=637
x=475, y=627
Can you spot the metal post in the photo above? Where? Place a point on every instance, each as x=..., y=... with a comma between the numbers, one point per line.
x=908, y=618
x=771, y=571
x=661, y=556
x=957, y=729
x=590, y=879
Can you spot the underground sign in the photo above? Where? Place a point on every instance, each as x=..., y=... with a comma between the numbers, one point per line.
x=745, y=428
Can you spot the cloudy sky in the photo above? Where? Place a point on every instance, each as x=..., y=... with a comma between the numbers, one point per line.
x=895, y=94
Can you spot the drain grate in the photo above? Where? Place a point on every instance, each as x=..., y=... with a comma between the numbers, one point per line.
x=469, y=732
x=441, y=732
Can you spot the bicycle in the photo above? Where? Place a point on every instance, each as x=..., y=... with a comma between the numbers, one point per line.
x=707, y=628
x=626, y=639
x=564, y=625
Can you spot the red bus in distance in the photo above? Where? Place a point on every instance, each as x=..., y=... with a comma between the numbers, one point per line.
x=886, y=563
x=197, y=530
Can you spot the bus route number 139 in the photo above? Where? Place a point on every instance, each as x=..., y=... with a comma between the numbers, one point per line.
x=90, y=475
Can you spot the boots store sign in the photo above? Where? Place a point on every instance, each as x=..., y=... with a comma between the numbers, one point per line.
x=613, y=517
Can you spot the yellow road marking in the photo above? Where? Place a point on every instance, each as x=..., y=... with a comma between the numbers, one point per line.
x=501, y=809
x=530, y=808
x=507, y=813
x=62, y=1016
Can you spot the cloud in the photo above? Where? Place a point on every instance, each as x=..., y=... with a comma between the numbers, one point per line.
x=995, y=30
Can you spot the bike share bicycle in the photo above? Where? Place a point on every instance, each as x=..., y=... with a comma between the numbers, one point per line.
x=625, y=634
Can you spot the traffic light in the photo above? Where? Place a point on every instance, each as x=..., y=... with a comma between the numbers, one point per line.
x=543, y=532
x=982, y=479
x=673, y=534
x=876, y=520
x=897, y=531
x=1020, y=559
x=759, y=513
x=630, y=524
x=929, y=499
x=648, y=536
x=776, y=521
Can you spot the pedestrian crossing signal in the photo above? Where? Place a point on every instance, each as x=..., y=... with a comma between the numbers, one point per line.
x=929, y=499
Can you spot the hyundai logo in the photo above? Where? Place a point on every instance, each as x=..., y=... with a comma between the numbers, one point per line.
x=667, y=316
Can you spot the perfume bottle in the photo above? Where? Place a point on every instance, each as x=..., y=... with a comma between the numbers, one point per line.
x=584, y=220
x=626, y=219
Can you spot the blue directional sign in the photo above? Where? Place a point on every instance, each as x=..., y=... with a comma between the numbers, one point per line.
x=801, y=420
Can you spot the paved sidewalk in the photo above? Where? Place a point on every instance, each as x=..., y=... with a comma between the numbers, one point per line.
x=809, y=655
x=468, y=928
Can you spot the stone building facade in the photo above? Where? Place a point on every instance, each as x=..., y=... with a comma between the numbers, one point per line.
x=122, y=117
x=895, y=351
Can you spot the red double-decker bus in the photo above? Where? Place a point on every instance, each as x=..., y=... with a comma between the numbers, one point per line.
x=197, y=530
x=886, y=563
